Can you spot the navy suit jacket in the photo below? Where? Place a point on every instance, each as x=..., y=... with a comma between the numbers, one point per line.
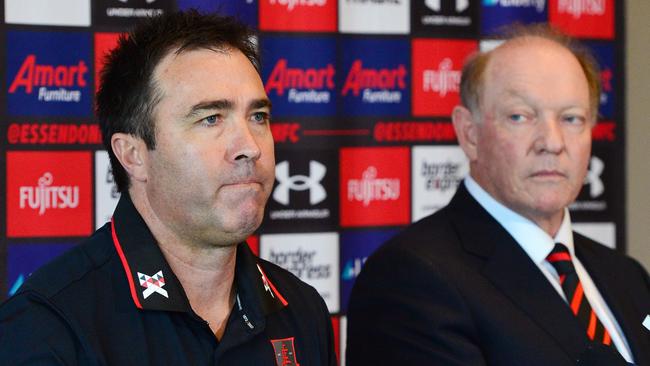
x=456, y=289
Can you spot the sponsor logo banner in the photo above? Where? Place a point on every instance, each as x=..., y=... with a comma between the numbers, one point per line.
x=48, y=12
x=583, y=18
x=46, y=189
x=437, y=66
x=54, y=134
x=298, y=15
x=104, y=43
x=300, y=83
x=498, y=13
x=128, y=12
x=375, y=83
x=414, y=131
x=305, y=192
x=106, y=194
x=602, y=232
x=24, y=259
x=314, y=258
x=245, y=11
x=48, y=73
x=446, y=17
x=604, y=53
x=356, y=246
x=599, y=200
x=375, y=186
x=374, y=16
x=437, y=172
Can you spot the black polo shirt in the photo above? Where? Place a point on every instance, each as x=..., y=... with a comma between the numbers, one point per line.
x=113, y=300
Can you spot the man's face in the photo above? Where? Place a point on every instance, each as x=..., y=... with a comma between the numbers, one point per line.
x=212, y=170
x=533, y=137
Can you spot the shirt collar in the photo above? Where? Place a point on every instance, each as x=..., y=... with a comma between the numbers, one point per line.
x=154, y=286
x=533, y=240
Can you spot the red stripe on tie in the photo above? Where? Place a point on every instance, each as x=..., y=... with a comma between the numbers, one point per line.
x=557, y=257
x=607, y=339
x=591, y=329
x=562, y=278
x=577, y=299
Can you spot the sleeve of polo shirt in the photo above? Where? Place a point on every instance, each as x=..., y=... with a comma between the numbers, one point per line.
x=403, y=311
x=31, y=333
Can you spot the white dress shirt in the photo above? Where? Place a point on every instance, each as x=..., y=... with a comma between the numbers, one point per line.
x=538, y=245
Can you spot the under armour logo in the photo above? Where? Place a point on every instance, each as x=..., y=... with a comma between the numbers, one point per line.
x=152, y=284
x=596, y=186
x=435, y=5
x=300, y=183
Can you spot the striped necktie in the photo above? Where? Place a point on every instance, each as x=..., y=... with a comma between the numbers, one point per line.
x=560, y=258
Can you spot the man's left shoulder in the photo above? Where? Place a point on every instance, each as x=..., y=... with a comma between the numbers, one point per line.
x=590, y=250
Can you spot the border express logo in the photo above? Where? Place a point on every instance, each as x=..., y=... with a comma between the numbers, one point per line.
x=374, y=16
x=45, y=190
x=437, y=172
x=499, y=13
x=49, y=74
x=299, y=75
x=298, y=15
x=356, y=247
x=305, y=192
x=24, y=259
x=313, y=257
x=437, y=67
x=376, y=77
x=583, y=18
x=375, y=186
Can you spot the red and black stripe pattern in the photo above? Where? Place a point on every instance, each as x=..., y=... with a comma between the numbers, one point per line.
x=560, y=258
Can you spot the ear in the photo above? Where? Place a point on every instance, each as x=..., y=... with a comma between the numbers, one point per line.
x=131, y=151
x=466, y=131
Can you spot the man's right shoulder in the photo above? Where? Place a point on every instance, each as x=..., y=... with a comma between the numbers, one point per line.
x=70, y=268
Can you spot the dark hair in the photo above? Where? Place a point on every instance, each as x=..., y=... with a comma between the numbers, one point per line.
x=471, y=82
x=128, y=94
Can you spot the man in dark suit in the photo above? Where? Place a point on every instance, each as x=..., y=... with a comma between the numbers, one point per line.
x=498, y=277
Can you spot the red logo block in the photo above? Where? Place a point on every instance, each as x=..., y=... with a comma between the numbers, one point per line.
x=375, y=186
x=437, y=66
x=48, y=193
x=583, y=18
x=104, y=43
x=298, y=15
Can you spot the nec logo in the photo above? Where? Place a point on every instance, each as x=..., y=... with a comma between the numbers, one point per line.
x=300, y=83
x=374, y=186
x=436, y=5
x=48, y=73
x=298, y=15
x=317, y=193
x=436, y=74
x=375, y=83
x=46, y=189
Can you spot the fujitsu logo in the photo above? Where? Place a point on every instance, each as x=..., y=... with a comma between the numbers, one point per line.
x=46, y=196
x=443, y=80
x=297, y=182
x=291, y=4
x=283, y=77
x=578, y=7
x=32, y=75
x=367, y=79
x=370, y=188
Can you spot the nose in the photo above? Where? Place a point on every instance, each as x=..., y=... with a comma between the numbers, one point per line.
x=243, y=145
x=550, y=137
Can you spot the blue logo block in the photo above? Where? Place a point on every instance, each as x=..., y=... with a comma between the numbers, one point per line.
x=604, y=54
x=299, y=75
x=23, y=259
x=356, y=246
x=49, y=74
x=244, y=10
x=497, y=13
x=375, y=78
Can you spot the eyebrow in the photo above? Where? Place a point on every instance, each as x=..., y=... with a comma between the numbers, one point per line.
x=225, y=104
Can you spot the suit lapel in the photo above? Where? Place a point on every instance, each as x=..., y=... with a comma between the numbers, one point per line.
x=510, y=269
x=627, y=315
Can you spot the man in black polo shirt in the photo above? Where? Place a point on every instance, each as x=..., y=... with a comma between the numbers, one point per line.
x=169, y=281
